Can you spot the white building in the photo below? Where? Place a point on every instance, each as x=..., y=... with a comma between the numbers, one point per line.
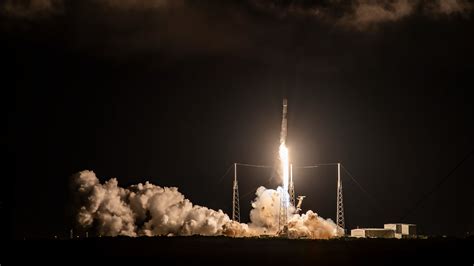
x=389, y=231
x=373, y=233
x=402, y=230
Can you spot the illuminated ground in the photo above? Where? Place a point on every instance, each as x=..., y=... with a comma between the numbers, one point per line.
x=255, y=251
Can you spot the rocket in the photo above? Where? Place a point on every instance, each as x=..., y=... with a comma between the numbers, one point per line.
x=284, y=122
x=284, y=170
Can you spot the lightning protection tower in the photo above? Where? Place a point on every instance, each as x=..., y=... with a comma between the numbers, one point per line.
x=340, y=204
x=235, y=198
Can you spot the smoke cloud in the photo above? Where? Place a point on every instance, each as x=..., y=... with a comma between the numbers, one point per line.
x=150, y=210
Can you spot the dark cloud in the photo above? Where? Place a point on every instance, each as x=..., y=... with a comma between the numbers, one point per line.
x=449, y=7
x=31, y=9
x=368, y=13
x=359, y=14
x=180, y=28
x=364, y=14
x=140, y=4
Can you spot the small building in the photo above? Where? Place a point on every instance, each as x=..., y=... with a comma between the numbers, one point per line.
x=373, y=233
x=402, y=230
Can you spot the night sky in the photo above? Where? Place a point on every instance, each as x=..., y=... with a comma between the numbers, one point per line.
x=174, y=92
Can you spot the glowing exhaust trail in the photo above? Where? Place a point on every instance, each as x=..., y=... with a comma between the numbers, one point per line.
x=283, y=150
x=284, y=161
x=284, y=165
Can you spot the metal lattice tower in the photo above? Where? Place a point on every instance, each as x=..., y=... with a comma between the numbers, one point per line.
x=291, y=188
x=283, y=217
x=235, y=198
x=340, y=204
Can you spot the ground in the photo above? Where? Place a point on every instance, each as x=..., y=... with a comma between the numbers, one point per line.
x=255, y=251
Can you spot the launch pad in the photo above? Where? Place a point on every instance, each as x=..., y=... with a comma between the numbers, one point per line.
x=287, y=191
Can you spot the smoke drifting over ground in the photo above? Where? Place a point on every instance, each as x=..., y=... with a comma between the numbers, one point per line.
x=150, y=210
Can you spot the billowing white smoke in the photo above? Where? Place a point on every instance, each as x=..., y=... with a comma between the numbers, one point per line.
x=264, y=218
x=104, y=204
x=159, y=211
x=146, y=209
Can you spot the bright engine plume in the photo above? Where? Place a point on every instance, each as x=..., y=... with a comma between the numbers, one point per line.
x=284, y=168
x=283, y=152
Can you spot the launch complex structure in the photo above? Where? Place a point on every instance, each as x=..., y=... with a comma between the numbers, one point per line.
x=287, y=190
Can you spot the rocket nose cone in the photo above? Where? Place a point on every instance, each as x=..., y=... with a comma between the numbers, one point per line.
x=285, y=102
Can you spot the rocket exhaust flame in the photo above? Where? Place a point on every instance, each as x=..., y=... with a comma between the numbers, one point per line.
x=283, y=152
x=284, y=168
